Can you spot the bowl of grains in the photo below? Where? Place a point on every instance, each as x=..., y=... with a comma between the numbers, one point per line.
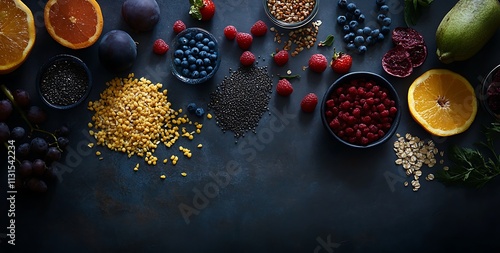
x=361, y=110
x=490, y=93
x=291, y=14
x=64, y=81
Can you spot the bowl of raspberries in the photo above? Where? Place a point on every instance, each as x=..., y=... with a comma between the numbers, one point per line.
x=195, y=56
x=490, y=98
x=361, y=110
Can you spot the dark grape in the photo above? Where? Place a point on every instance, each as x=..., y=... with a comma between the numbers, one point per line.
x=18, y=133
x=62, y=131
x=22, y=98
x=63, y=142
x=39, y=167
x=36, y=115
x=37, y=185
x=25, y=169
x=4, y=132
x=39, y=146
x=23, y=150
x=53, y=154
x=141, y=15
x=5, y=109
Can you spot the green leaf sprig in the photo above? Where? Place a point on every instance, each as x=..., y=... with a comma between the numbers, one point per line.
x=471, y=167
x=413, y=10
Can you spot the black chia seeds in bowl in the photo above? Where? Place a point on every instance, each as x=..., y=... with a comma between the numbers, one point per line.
x=64, y=81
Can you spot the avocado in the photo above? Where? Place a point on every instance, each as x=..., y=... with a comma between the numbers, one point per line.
x=466, y=28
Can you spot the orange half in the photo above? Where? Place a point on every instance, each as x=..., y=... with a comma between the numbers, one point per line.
x=75, y=24
x=17, y=34
x=443, y=102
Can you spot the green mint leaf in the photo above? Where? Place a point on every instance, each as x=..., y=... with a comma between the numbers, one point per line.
x=327, y=42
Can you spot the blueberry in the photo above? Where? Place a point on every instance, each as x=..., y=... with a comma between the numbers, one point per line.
x=346, y=28
x=187, y=52
x=200, y=46
x=351, y=7
x=192, y=42
x=199, y=36
x=348, y=37
x=353, y=24
x=350, y=46
x=380, y=2
x=188, y=36
x=195, y=74
x=205, y=40
x=195, y=51
x=367, y=31
x=341, y=20
x=342, y=4
x=203, y=54
x=183, y=40
x=386, y=22
x=191, y=59
x=384, y=9
x=362, y=49
x=185, y=72
x=359, y=31
x=359, y=40
x=385, y=30
x=380, y=37
x=199, y=62
x=177, y=61
x=361, y=18
x=178, y=53
x=370, y=40
x=357, y=12
x=193, y=67
x=213, y=57
x=203, y=73
x=380, y=17
x=209, y=69
x=191, y=107
x=211, y=44
x=185, y=47
x=205, y=48
x=185, y=64
x=199, y=112
x=375, y=33
x=207, y=62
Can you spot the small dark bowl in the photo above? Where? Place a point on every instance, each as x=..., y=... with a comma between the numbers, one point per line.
x=176, y=70
x=487, y=82
x=368, y=76
x=291, y=25
x=64, y=87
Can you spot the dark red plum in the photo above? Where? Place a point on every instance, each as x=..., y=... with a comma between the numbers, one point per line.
x=117, y=51
x=141, y=15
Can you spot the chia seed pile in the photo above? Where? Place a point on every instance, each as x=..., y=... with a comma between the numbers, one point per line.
x=64, y=83
x=241, y=99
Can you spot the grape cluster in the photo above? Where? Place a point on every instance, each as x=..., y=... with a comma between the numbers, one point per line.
x=359, y=37
x=36, y=149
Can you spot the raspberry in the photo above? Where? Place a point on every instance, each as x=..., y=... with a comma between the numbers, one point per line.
x=247, y=58
x=284, y=87
x=318, y=63
x=281, y=57
x=179, y=26
x=259, y=28
x=244, y=40
x=160, y=47
x=230, y=32
x=309, y=102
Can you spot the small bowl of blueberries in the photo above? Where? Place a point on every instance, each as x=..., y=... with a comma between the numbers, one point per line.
x=195, y=56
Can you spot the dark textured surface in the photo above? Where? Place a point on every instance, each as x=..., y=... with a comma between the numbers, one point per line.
x=287, y=188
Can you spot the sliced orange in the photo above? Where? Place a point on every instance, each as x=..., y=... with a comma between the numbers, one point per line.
x=73, y=23
x=17, y=34
x=443, y=102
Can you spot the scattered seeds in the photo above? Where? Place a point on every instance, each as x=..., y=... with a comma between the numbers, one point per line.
x=301, y=38
x=183, y=174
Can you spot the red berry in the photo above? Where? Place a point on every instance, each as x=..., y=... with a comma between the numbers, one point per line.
x=230, y=32
x=259, y=28
x=244, y=40
x=281, y=57
x=341, y=63
x=179, y=26
x=202, y=9
x=284, y=87
x=247, y=58
x=330, y=103
x=309, y=102
x=160, y=47
x=318, y=63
